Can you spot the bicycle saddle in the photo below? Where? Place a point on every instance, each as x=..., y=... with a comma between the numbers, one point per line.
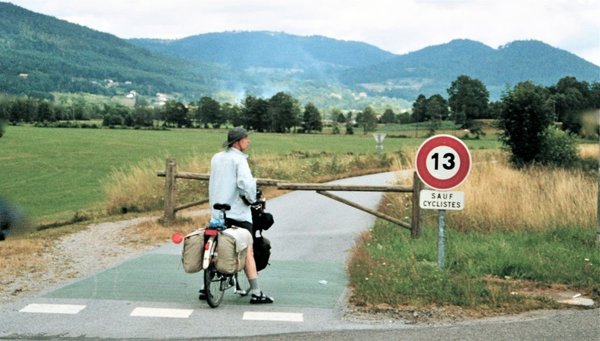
x=222, y=207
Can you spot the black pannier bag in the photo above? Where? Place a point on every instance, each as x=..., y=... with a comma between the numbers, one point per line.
x=261, y=220
x=262, y=252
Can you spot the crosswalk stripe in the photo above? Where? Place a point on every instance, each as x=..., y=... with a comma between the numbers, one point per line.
x=161, y=312
x=273, y=316
x=53, y=308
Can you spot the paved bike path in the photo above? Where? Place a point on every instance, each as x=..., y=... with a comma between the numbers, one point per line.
x=311, y=239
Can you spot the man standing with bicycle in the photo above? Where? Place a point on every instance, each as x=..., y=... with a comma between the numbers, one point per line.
x=231, y=182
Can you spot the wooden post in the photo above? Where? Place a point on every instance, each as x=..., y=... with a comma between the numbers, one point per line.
x=415, y=230
x=170, y=188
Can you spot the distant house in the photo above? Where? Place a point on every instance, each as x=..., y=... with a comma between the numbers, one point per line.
x=23, y=75
x=161, y=98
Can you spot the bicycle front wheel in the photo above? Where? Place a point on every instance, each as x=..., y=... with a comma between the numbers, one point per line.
x=212, y=282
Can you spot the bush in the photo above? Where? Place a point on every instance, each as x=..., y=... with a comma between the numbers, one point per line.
x=558, y=148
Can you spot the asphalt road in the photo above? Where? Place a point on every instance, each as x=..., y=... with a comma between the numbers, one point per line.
x=150, y=297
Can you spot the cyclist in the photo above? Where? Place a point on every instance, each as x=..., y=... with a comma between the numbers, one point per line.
x=231, y=182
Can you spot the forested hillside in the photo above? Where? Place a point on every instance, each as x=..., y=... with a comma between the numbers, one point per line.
x=430, y=70
x=41, y=53
x=243, y=50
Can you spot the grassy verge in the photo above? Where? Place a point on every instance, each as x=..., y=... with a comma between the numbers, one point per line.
x=521, y=235
x=483, y=270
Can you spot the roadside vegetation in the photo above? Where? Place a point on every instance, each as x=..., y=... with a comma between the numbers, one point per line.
x=523, y=237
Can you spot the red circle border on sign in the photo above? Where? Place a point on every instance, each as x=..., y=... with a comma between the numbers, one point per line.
x=451, y=142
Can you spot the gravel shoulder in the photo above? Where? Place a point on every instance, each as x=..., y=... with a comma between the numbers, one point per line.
x=78, y=255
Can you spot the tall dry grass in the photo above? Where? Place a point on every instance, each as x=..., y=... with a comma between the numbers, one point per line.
x=589, y=151
x=138, y=188
x=499, y=197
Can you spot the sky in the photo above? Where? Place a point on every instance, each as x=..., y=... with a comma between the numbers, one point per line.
x=397, y=26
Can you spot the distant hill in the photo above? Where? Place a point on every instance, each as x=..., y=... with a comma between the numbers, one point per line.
x=244, y=50
x=42, y=53
x=432, y=69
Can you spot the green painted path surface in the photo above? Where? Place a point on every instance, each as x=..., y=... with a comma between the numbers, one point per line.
x=160, y=278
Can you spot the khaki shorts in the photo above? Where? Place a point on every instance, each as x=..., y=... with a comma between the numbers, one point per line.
x=243, y=238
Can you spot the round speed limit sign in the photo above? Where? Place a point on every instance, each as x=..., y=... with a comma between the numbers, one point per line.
x=443, y=162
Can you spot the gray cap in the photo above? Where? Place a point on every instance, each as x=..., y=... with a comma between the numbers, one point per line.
x=235, y=135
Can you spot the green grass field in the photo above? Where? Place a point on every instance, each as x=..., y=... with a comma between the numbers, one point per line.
x=53, y=173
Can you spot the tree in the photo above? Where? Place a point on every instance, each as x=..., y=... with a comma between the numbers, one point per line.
x=419, y=108
x=312, y=119
x=468, y=100
x=143, y=116
x=349, y=124
x=405, y=118
x=78, y=109
x=45, y=113
x=571, y=99
x=595, y=95
x=367, y=119
x=388, y=116
x=526, y=113
x=22, y=110
x=255, y=112
x=177, y=114
x=209, y=112
x=234, y=114
x=436, y=109
x=284, y=112
x=338, y=116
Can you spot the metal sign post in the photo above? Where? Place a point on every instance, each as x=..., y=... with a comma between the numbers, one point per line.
x=441, y=238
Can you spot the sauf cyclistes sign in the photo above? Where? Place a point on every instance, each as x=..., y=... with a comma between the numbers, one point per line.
x=442, y=163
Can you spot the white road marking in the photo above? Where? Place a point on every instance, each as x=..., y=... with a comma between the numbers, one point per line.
x=161, y=312
x=53, y=308
x=273, y=316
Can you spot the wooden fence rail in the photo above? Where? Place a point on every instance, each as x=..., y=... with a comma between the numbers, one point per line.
x=171, y=174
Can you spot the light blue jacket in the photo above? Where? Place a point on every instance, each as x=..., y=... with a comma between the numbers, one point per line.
x=230, y=177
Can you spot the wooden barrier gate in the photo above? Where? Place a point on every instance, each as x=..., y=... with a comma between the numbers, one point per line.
x=171, y=175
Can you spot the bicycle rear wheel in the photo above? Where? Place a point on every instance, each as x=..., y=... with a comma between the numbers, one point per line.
x=212, y=282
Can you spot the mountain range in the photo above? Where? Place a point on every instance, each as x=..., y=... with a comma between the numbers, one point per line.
x=40, y=53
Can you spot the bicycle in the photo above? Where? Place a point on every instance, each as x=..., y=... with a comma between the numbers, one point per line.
x=215, y=282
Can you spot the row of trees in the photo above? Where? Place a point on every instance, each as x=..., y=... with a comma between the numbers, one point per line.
x=281, y=113
x=468, y=102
